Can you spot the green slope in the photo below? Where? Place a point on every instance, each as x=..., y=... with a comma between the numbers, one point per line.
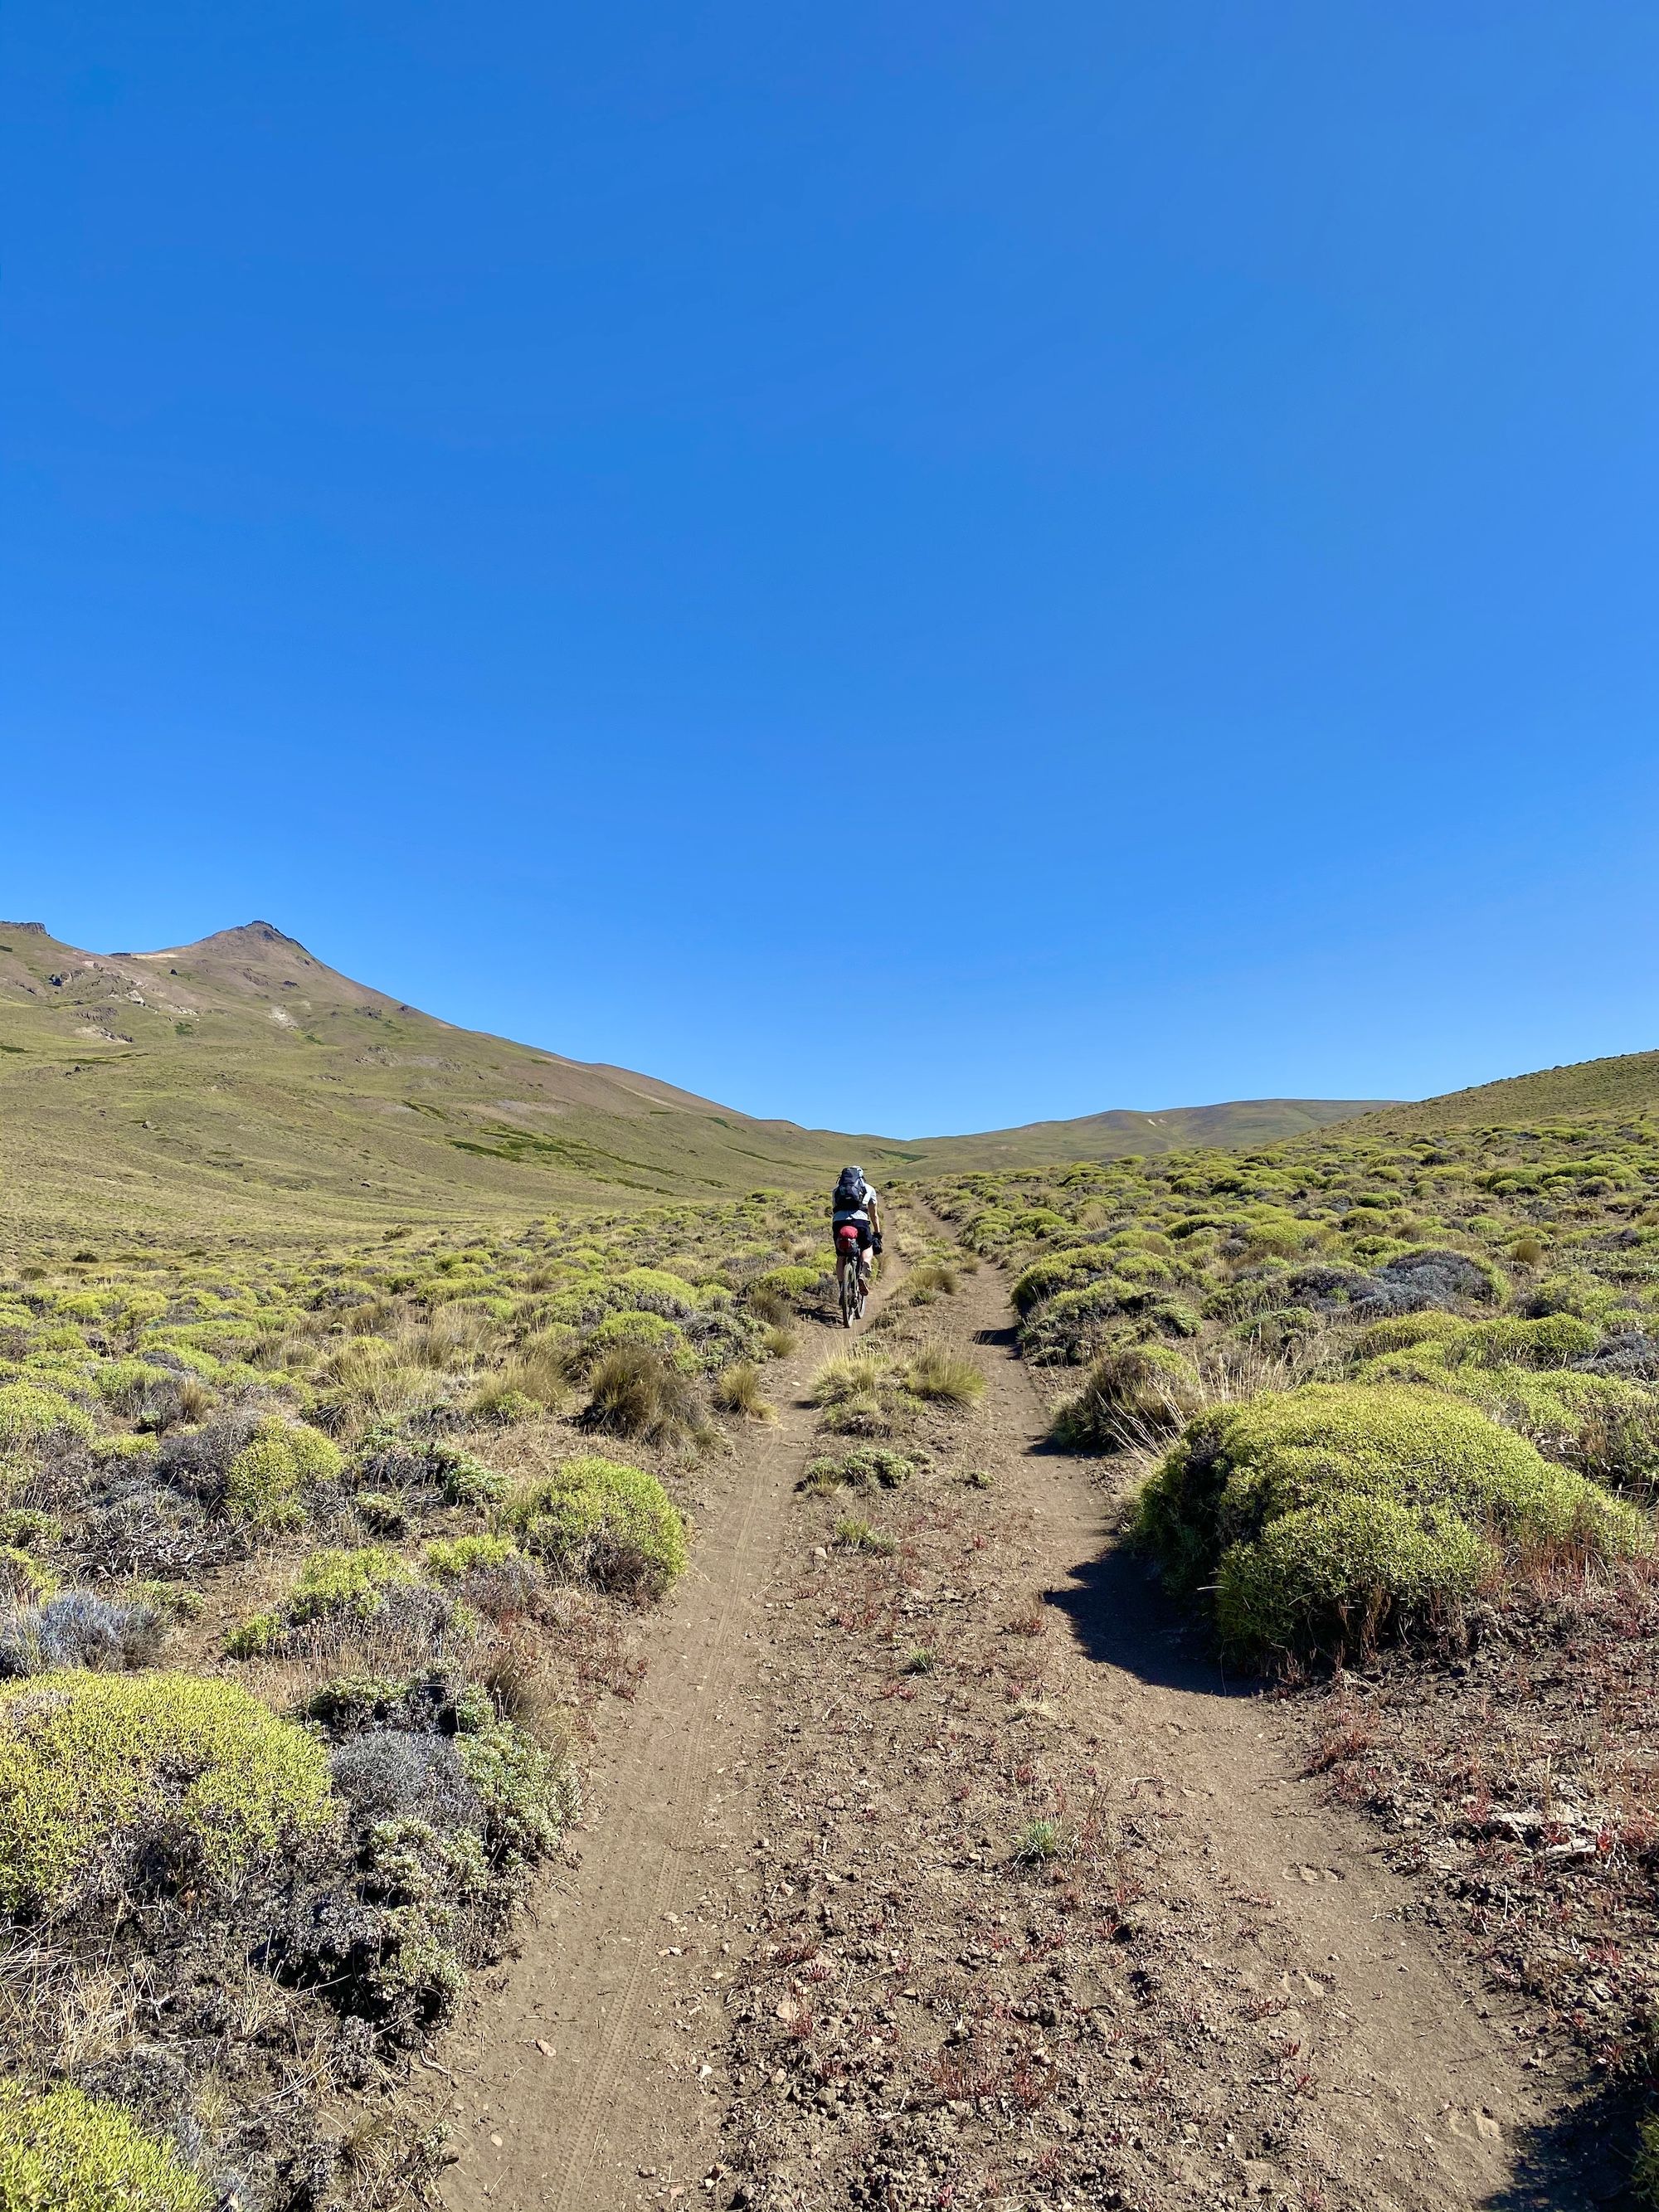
x=1625, y=1084
x=241, y=1084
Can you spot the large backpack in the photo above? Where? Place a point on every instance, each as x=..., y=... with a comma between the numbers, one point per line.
x=849, y=1192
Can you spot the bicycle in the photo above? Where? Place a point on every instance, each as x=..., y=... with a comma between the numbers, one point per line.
x=854, y=1290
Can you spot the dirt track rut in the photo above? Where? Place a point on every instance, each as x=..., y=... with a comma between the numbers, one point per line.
x=595, y=1978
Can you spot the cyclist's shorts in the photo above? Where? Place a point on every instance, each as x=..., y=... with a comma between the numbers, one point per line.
x=859, y=1221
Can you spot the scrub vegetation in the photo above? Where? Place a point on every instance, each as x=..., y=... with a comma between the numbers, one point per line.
x=311, y=1564
x=1379, y=1381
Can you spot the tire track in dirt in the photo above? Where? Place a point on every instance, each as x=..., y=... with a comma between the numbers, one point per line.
x=1437, y=2100
x=617, y=2107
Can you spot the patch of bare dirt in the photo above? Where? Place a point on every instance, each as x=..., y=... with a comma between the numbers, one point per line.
x=1515, y=1786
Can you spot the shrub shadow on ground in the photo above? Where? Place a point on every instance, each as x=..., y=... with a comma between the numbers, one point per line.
x=1581, y=2158
x=1121, y=1618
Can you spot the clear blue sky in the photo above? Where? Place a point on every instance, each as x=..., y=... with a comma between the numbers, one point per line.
x=525, y=497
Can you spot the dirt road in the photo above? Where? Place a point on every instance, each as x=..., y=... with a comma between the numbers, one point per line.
x=940, y=1868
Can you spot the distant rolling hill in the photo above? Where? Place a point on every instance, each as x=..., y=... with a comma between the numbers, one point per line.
x=240, y=1086
x=1110, y=1136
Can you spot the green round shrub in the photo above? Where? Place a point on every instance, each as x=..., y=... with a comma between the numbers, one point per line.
x=448, y=1558
x=1607, y=1427
x=1059, y=1271
x=86, y=1758
x=1550, y=1340
x=1404, y=1332
x=1471, y=1488
x=1069, y=1327
x=600, y=1521
x=1576, y=1293
x=30, y=1412
x=267, y=1481
x=64, y=2152
x=638, y=1327
x=793, y=1284
x=1341, y=1572
x=656, y=1291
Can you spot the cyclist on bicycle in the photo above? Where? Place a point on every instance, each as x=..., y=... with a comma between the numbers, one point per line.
x=854, y=1222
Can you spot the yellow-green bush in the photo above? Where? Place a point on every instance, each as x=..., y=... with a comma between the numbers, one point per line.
x=793, y=1284
x=603, y=1523
x=1324, y=1514
x=85, y=1758
x=1340, y=1572
x=1548, y=1340
x=331, y=1585
x=1405, y=1332
x=30, y=1412
x=22, y=1578
x=64, y=2152
x=655, y=1288
x=528, y=1793
x=1576, y=1292
x=1059, y=1271
x=1601, y=1424
x=267, y=1481
x=637, y=1327
x=122, y=1384
x=448, y=1558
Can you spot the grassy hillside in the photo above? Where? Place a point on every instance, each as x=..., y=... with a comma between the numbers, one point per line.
x=1626, y=1084
x=241, y=1084
x=240, y=1087
x=1116, y=1135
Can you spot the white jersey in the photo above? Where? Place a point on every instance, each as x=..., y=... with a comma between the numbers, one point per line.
x=861, y=1210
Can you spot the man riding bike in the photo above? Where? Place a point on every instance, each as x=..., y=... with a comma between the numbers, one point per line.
x=854, y=1223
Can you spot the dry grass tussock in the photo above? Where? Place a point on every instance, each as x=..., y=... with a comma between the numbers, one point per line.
x=739, y=1390
x=634, y=1391
x=858, y=1393
x=942, y=1377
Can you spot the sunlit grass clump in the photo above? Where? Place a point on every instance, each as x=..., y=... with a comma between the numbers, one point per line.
x=943, y=1378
